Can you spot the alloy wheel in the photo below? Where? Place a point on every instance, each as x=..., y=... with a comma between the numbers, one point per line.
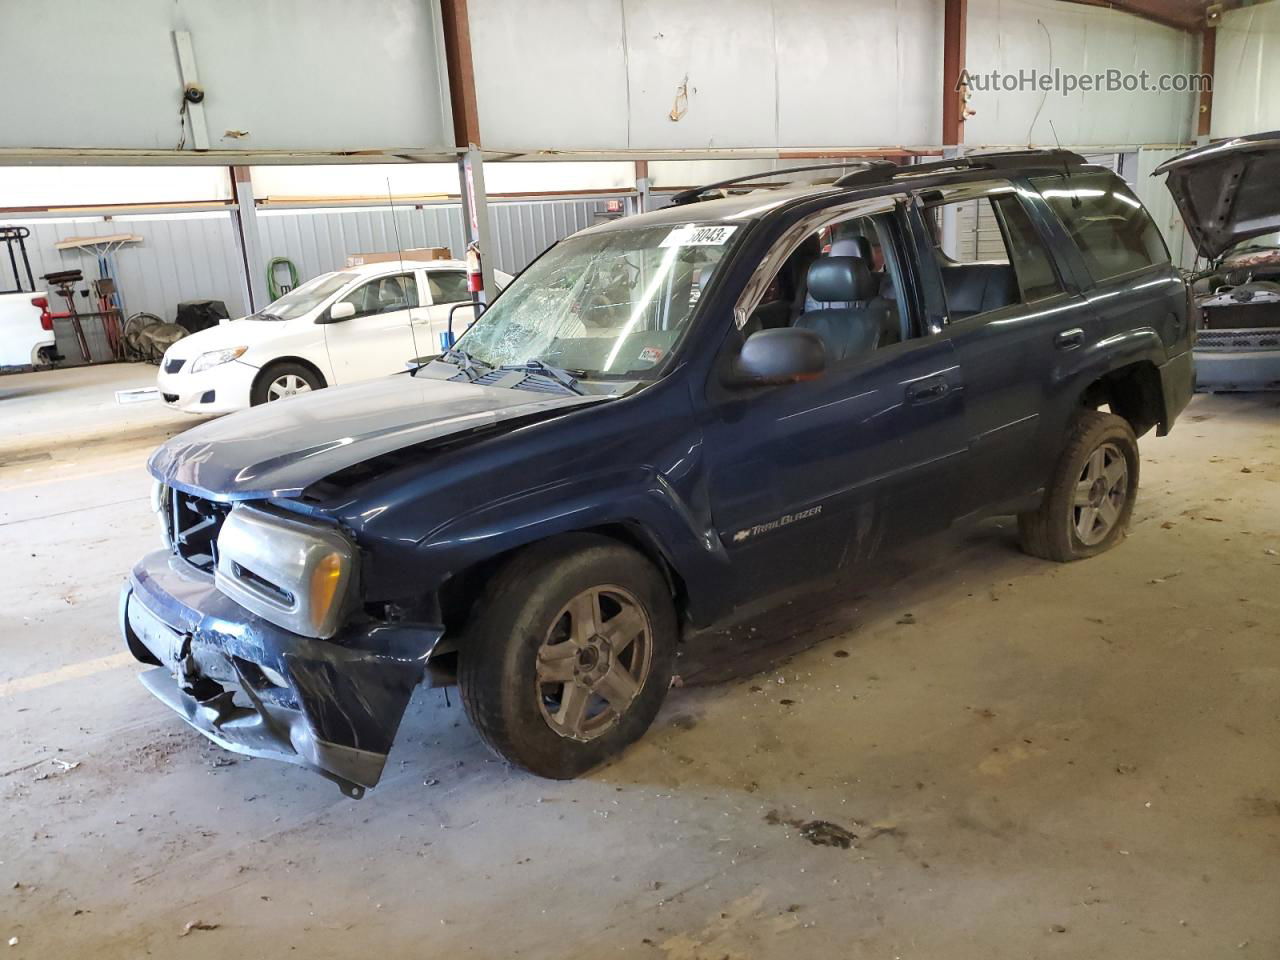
x=287, y=386
x=1100, y=494
x=594, y=661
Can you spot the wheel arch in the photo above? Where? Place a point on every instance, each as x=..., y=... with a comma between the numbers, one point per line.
x=458, y=593
x=1133, y=391
x=279, y=361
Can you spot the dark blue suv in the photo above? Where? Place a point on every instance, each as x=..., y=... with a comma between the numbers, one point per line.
x=665, y=422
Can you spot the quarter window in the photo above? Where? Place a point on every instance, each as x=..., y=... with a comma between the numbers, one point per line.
x=1106, y=222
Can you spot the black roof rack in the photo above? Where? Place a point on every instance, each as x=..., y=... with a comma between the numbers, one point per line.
x=694, y=194
x=1010, y=159
x=876, y=170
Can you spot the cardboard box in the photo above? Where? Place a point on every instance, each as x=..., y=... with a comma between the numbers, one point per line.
x=413, y=253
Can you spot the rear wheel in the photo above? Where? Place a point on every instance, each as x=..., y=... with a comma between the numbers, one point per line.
x=282, y=380
x=1089, y=500
x=570, y=655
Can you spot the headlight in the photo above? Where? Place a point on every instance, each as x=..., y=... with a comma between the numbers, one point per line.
x=292, y=572
x=215, y=358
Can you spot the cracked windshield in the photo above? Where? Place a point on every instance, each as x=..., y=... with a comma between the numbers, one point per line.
x=606, y=305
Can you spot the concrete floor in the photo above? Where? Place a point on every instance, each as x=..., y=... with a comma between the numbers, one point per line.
x=1040, y=761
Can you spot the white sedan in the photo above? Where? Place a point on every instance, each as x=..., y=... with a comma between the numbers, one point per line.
x=337, y=328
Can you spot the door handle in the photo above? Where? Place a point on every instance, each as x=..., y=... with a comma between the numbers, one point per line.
x=1069, y=339
x=928, y=390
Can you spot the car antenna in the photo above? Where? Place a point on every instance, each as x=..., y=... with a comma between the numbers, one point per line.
x=395, y=225
x=1075, y=199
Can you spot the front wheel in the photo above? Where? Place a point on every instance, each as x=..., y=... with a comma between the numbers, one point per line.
x=281, y=380
x=1089, y=500
x=569, y=656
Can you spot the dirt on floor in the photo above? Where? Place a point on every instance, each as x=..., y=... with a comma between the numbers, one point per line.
x=963, y=753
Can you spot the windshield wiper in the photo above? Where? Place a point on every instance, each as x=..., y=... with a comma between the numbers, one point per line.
x=562, y=377
x=465, y=362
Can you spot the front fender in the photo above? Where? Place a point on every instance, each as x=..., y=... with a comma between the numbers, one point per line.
x=677, y=522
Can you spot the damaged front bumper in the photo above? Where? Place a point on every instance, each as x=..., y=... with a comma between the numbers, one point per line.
x=333, y=706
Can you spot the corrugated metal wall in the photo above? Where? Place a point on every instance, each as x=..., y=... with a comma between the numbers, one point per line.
x=318, y=240
x=187, y=256
x=194, y=256
x=524, y=228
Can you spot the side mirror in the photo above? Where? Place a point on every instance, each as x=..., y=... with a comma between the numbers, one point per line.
x=344, y=310
x=785, y=355
x=461, y=305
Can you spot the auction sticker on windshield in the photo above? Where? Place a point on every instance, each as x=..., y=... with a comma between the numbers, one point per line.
x=692, y=235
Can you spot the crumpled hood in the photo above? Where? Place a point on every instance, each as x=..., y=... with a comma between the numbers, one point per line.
x=281, y=448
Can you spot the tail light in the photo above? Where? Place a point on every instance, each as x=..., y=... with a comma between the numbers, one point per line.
x=46, y=318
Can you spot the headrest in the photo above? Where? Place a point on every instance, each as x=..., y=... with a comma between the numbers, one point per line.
x=852, y=246
x=841, y=279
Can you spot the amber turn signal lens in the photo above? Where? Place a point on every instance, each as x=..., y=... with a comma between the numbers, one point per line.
x=325, y=578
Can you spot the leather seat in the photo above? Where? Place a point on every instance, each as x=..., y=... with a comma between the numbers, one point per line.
x=845, y=330
x=769, y=316
x=974, y=288
x=853, y=246
x=848, y=246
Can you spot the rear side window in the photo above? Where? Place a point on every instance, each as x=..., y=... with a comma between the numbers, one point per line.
x=448, y=286
x=1106, y=222
x=989, y=255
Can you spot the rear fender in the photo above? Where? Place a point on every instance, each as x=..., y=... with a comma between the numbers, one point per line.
x=1162, y=396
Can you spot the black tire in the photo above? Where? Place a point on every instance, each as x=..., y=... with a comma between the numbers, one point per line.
x=1051, y=531
x=261, y=392
x=497, y=670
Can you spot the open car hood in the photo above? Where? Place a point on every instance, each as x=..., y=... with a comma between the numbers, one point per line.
x=281, y=448
x=1227, y=191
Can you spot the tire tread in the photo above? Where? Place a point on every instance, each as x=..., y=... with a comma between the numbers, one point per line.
x=481, y=664
x=1039, y=530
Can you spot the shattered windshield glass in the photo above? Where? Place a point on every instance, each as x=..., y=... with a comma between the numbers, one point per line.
x=609, y=304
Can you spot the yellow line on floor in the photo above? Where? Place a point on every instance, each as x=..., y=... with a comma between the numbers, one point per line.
x=72, y=671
